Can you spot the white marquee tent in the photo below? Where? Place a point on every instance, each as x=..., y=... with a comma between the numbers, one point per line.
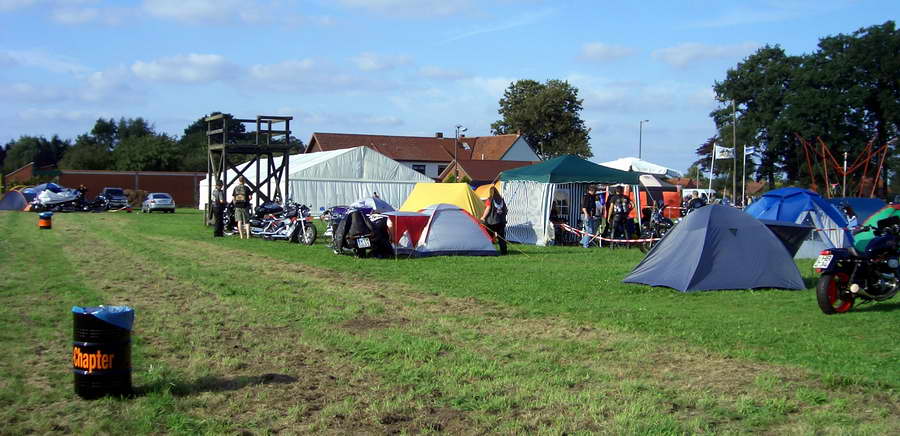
x=641, y=166
x=338, y=177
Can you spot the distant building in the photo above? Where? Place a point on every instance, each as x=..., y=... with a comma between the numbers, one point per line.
x=429, y=155
x=480, y=172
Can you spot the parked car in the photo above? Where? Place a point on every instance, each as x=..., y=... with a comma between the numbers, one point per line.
x=158, y=201
x=115, y=197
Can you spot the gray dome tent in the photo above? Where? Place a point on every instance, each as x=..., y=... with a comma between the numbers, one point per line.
x=718, y=247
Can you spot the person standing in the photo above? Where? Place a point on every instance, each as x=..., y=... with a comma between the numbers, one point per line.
x=494, y=218
x=619, y=208
x=218, y=204
x=241, y=196
x=589, y=215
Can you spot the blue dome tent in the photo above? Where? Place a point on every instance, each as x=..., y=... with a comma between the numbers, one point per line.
x=718, y=247
x=802, y=206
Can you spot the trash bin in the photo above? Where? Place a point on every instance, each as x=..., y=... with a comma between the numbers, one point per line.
x=45, y=220
x=101, y=350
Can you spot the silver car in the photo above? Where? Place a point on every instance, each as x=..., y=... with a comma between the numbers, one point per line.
x=158, y=201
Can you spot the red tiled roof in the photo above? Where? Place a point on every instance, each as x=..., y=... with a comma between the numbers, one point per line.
x=417, y=148
x=406, y=148
x=484, y=170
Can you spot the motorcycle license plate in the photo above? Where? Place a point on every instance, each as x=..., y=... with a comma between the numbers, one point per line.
x=823, y=261
x=363, y=243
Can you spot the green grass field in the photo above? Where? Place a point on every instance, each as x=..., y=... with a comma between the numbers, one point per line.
x=258, y=337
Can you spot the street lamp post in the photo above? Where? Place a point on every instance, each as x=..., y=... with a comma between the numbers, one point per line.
x=641, y=135
x=459, y=128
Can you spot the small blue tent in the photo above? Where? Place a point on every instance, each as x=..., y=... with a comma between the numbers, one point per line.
x=803, y=206
x=718, y=247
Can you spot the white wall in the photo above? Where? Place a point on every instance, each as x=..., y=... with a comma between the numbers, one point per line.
x=520, y=150
x=431, y=168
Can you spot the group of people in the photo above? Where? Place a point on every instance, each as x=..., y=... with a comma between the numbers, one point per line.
x=608, y=210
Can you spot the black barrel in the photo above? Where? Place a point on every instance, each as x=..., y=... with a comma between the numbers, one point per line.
x=101, y=350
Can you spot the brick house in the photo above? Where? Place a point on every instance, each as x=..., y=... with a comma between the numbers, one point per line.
x=429, y=155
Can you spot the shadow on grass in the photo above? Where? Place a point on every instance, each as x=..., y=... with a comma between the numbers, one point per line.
x=881, y=307
x=212, y=384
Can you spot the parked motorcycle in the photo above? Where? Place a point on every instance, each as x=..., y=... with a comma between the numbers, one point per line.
x=655, y=228
x=291, y=223
x=873, y=275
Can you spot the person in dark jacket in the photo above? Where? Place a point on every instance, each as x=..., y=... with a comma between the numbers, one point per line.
x=494, y=218
x=619, y=208
x=218, y=204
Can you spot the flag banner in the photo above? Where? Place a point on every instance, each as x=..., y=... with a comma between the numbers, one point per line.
x=749, y=150
x=724, y=152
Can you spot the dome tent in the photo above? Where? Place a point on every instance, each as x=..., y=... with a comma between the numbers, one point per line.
x=803, y=206
x=718, y=247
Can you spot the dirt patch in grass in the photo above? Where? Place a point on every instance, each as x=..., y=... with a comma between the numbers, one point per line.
x=366, y=323
x=244, y=370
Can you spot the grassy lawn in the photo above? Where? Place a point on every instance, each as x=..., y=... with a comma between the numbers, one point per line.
x=258, y=337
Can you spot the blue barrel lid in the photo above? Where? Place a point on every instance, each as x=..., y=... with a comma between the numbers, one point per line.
x=45, y=215
x=119, y=316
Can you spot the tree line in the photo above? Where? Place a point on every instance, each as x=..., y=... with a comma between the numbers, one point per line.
x=129, y=144
x=847, y=92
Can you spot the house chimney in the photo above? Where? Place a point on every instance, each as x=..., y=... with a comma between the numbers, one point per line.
x=439, y=135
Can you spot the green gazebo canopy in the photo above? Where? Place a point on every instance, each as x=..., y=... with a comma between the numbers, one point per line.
x=569, y=169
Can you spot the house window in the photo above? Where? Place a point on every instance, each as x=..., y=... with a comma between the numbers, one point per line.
x=419, y=168
x=441, y=169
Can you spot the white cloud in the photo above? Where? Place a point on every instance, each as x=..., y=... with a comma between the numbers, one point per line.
x=204, y=10
x=381, y=120
x=80, y=15
x=683, y=55
x=41, y=60
x=75, y=16
x=33, y=114
x=525, y=19
x=113, y=84
x=312, y=76
x=494, y=87
x=190, y=68
x=287, y=70
x=369, y=61
x=26, y=92
x=410, y=8
x=10, y=5
x=432, y=72
x=598, y=51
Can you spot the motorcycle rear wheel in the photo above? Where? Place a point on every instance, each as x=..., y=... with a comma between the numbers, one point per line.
x=833, y=294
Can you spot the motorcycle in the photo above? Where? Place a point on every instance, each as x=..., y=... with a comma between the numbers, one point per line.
x=655, y=228
x=848, y=276
x=291, y=223
x=352, y=231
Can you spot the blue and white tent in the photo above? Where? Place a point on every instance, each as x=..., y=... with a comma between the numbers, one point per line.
x=803, y=206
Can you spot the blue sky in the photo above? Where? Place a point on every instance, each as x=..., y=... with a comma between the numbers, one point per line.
x=404, y=67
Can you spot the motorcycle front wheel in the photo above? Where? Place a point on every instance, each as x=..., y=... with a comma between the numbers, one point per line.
x=309, y=234
x=833, y=293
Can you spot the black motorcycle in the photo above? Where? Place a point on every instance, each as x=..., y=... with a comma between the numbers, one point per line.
x=848, y=275
x=291, y=223
x=655, y=228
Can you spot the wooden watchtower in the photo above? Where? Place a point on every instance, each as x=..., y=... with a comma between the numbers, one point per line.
x=231, y=158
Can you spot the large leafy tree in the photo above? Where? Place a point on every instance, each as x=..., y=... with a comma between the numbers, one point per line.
x=148, y=152
x=846, y=93
x=88, y=153
x=35, y=149
x=547, y=115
